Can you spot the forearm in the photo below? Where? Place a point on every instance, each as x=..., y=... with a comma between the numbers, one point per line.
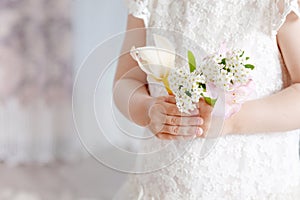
x=132, y=99
x=275, y=113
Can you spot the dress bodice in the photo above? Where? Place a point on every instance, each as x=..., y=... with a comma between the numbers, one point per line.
x=248, y=24
x=258, y=166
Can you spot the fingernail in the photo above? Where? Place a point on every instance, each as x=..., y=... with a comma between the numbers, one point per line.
x=200, y=121
x=199, y=131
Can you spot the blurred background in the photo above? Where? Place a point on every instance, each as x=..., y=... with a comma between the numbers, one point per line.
x=42, y=44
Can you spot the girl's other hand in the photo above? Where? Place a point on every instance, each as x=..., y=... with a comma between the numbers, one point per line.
x=167, y=122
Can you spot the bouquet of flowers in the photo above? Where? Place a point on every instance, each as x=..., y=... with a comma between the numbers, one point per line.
x=227, y=73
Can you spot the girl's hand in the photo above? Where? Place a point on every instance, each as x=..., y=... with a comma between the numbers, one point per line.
x=168, y=123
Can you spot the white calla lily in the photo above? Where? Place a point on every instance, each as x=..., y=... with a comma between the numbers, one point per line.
x=156, y=61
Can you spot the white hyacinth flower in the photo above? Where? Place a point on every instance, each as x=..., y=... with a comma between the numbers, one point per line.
x=227, y=71
x=187, y=88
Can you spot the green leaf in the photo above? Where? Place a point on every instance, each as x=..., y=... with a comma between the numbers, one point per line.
x=247, y=58
x=188, y=93
x=249, y=66
x=202, y=85
x=242, y=54
x=210, y=101
x=192, y=61
x=223, y=61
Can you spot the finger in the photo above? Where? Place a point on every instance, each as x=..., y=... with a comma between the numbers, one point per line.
x=171, y=109
x=170, y=99
x=165, y=136
x=203, y=135
x=183, y=121
x=181, y=130
x=202, y=104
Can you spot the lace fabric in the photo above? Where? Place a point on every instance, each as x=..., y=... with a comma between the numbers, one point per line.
x=139, y=9
x=282, y=10
x=259, y=166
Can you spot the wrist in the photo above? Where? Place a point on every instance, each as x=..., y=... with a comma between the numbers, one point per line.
x=148, y=103
x=143, y=115
x=139, y=103
x=227, y=127
x=231, y=125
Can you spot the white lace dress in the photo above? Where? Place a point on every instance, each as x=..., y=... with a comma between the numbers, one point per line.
x=239, y=167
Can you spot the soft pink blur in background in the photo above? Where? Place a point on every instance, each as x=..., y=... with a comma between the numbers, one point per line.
x=42, y=43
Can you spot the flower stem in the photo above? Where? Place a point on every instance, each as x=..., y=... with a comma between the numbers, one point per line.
x=167, y=85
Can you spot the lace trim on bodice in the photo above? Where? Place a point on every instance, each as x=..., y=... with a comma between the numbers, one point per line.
x=139, y=9
x=286, y=7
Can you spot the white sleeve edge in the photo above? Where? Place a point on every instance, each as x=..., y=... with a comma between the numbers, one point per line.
x=144, y=16
x=293, y=6
x=139, y=9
